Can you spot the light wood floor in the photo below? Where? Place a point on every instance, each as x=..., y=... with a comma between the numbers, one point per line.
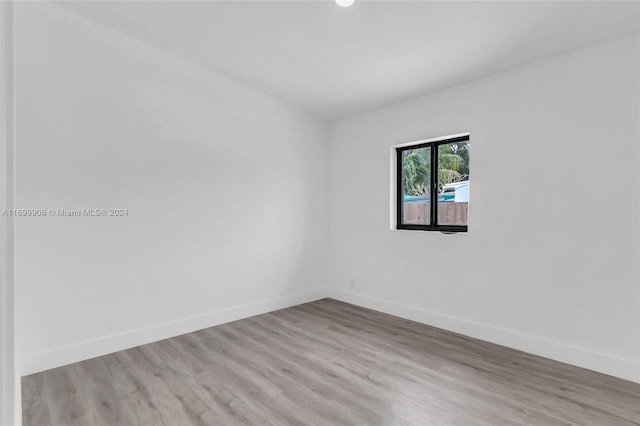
x=326, y=363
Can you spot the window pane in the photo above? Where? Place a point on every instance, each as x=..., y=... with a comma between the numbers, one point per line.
x=453, y=183
x=416, y=182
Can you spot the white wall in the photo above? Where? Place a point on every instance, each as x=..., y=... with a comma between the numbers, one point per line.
x=227, y=196
x=550, y=263
x=226, y=191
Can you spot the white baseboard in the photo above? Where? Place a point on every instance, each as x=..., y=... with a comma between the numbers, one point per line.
x=624, y=368
x=57, y=357
x=628, y=369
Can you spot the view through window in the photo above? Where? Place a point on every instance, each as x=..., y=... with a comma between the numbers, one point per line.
x=433, y=185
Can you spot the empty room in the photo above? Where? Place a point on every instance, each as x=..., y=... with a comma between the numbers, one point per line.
x=329, y=212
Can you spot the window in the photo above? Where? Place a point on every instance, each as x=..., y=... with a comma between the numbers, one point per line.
x=433, y=185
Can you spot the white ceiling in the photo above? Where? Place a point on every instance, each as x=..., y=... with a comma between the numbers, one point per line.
x=335, y=62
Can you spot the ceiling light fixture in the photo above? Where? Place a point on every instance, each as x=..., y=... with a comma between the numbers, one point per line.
x=344, y=3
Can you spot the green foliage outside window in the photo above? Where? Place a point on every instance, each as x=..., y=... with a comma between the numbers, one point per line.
x=453, y=166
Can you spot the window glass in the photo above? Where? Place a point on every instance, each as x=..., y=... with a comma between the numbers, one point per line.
x=453, y=183
x=416, y=172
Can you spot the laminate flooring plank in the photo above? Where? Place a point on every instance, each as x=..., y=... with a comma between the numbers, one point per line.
x=318, y=378
x=67, y=399
x=292, y=371
x=33, y=396
x=246, y=382
x=103, y=400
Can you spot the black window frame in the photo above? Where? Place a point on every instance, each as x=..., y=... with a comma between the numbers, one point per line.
x=433, y=203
